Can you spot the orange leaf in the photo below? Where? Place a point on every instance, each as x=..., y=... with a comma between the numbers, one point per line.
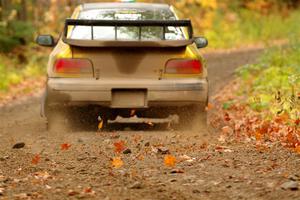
x=283, y=118
x=140, y=157
x=226, y=117
x=119, y=146
x=65, y=146
x=170, y=160
x=36, y=159
x=89, y=191
x=209, y=107
x=297, y=149
x=117, y=162
x=258, y=136
x=291, y=139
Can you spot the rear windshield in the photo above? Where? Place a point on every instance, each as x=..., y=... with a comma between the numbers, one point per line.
x=126, y=33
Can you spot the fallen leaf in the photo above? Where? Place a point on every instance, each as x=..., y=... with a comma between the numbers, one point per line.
x=19, y=145
x=127, y=151
x=170, y=160
x=177, y=171
x=291, y=139
x=119, y=146
x=117, y=162
x=36, y=159
x=100, y=125
x=297, y=149
x=72, y=193
x=209, y=107
x=258, y=136
x=65, y=146
x=89, y=191
x=226, y=117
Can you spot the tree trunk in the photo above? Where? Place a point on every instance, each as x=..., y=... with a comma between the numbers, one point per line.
x=23, y=11
x=5, y=6
x=1, y=10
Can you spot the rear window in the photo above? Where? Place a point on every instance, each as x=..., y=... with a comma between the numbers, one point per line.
x=126, y=33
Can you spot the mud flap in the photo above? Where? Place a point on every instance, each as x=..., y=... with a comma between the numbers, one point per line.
x=43, y=104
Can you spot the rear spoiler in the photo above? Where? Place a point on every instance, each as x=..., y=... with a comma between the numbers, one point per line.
x=125, y=43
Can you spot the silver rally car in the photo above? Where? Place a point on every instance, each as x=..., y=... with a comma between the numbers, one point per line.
x=125, y=59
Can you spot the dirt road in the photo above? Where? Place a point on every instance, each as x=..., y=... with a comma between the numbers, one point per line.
x=79, y=165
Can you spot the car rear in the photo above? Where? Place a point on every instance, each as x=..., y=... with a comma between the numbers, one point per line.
x=127, y=67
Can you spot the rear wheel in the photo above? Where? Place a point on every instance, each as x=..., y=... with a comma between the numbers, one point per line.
x=75, y=118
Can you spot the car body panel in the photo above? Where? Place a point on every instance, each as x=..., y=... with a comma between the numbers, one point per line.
x=100, y=92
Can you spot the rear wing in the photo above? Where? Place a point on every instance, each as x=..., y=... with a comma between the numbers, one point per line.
x=162, y=42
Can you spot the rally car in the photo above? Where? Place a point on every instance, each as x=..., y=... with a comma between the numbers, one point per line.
x=125, y=59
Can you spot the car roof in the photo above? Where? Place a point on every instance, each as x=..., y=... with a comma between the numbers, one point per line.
x=148, y=6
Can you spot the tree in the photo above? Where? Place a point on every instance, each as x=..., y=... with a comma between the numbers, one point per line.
x=23, y=11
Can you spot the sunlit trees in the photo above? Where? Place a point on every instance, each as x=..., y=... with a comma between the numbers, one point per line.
x=20, y=19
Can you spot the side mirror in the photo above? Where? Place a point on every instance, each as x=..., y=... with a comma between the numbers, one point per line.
x=201, y=42
x=45, y=40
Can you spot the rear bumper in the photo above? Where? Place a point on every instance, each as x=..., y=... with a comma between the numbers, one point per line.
x=170, y=92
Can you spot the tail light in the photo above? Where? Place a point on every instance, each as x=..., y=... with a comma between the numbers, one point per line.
x=183, y=66
x=76, y=66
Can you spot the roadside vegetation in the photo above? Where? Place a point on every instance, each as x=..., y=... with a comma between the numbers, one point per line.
x=24, y=63
x=274, y=83
x=263, y=104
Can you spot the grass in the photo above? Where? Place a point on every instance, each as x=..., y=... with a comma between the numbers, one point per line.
x=248, y=27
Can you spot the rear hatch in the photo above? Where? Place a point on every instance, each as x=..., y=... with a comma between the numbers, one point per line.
x=128, y=62
x=128, y=48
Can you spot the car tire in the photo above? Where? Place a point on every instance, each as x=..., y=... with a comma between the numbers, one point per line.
x=69, y=118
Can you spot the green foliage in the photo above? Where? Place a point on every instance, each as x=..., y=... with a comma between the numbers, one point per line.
x=15, y=33
x=246, y=27
x=274, y=83
x=227, y=105
x=12, y=72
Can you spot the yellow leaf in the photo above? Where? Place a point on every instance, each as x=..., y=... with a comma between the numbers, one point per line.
x=100, y=125
x=170, y=161
x=117, y=162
